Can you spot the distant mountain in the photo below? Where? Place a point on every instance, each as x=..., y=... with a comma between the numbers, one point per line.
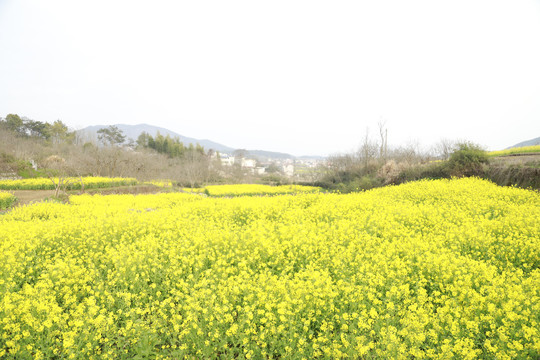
x=133, y=132
x=262, y=155
x=311, y=157
x=267, y=155
x=535, y=141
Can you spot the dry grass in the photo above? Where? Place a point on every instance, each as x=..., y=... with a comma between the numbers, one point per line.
x=26, y=197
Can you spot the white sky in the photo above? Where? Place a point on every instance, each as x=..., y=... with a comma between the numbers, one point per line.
x=304, y=77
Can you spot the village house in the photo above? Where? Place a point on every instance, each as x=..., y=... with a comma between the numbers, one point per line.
x=249, y=163
x=227, y=160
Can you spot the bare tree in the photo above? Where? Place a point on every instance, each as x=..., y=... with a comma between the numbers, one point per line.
x=383, y=133
x=368, y=149
x=444, y=148
x=194, y=168
x=57, y=171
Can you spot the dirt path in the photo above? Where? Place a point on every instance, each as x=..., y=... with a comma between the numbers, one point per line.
x=30, y=196
x=25, y=197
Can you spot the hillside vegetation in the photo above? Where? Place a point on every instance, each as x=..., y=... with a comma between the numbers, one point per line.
x=370, y=168
x=31, y=149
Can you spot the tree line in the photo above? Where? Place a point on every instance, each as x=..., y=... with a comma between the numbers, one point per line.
x=57, y=132
x=171, y=147
x=57, y=150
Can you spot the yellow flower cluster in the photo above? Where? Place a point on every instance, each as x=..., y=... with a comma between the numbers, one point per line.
x=194, y=190
x=90, y=182
x=428, y=270
x=256, y=189
x=6, y=200
x=250, y=190
x=160, y=183
x=521, y=150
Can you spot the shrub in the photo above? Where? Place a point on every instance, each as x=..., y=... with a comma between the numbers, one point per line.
x=467, y=160
x=6, y=200
x=515, y=175
x=433, y=170
x=366, y=182
x=275, y=179
x=389, y=172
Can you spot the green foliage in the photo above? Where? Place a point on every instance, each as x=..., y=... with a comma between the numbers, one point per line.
x=274, y=179
x=467, y=160
x=57, y=132
x=6, y=200
x=365, y=182
x=142, y=140
x=111, y=136
x=272, y=169
x=20, y=167
x=60, y=133
x=30, y=173
x=14, y=123
x=435, y=170
x=38, y=129
x=347, y=175
x=172, y=147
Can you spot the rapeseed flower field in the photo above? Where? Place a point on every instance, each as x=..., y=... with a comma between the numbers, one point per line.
x=194, y=190
x=160, y=183
x=256, y=189
x=251, y=190
x=6, y=200
x=90, y=182
x=427, y=270
x=533, y=149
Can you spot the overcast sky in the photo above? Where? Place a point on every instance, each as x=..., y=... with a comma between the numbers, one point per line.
x=304, y=77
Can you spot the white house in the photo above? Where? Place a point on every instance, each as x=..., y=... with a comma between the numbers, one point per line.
x=288, y=169
x=249, y=163
x=227, y=160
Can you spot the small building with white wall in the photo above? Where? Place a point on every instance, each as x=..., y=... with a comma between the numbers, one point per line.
x=227, y=160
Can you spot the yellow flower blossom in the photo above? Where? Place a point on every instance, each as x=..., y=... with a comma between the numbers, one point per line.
x=430, y=269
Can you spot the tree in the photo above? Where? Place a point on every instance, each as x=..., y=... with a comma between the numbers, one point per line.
x=59, y=132
x=240, y=153
x=37, y=129
x=467, y=160
x=143, y=139
x=444, y=148
x=272, y=168
x=172, y=147
x=111, y=136
x=57, y=171
x=383, y=133
x=14, y=123
x=131, y=144
x=368, y=149
x=195, y=167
